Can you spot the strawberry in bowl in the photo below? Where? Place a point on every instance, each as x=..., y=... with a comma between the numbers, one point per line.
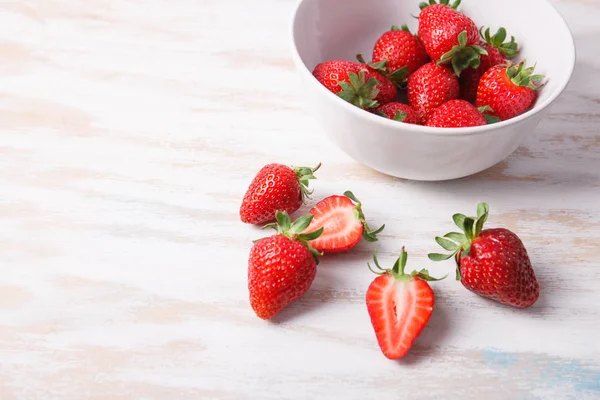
x=469, y=52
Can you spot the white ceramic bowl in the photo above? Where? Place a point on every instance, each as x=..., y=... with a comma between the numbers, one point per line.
x=339, y=29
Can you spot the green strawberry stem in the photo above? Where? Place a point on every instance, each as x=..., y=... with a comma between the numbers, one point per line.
x=404, y=27
x=398, y=77
x=293, y=230
x=304, y=175
x=490, y=119
x=509, y=49
x=459, y=244
x=360, y=92
x=399, y=267
x=400, y=116
x=368, y=234
x=521, y=76
x=462, y=56
x=454, y=5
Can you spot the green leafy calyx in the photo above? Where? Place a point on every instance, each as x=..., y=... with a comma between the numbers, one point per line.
x=462, y=56
x=508, y=49
x=523, y=76
x=398, y=77
x=368, y=234
x=304, y=175
x=293, y=230
x=397, y=271
x=459, y=243
x=400, y=116
x=360, y=91
x=454, y=5
x=489, y=118
x=404, y=27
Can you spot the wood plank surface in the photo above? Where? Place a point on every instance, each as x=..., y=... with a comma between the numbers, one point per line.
x=129, y=132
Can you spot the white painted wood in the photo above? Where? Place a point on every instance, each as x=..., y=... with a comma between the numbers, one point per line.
x=128, y=135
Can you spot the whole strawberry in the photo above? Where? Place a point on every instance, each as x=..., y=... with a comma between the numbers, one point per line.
x=398, y=112
x=357, y=83
x=282, y=267
x=275, y=187
x=449, y=36
x=402, y=52
x=492, y=263
x=498, y=51
x=457, y=114
x=510, y=90
x=430, y=87
x=399, y=306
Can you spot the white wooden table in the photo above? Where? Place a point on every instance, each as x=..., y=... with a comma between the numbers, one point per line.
x=129, y=132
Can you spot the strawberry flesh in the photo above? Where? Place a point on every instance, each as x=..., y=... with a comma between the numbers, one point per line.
x=399, y=310
x=341, y=228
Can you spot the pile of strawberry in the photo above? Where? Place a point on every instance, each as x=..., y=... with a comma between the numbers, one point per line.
x=492, y=263
x=455, y=74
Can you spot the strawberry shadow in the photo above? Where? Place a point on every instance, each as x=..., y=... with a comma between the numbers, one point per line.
x=546, y=303
x=329, y=286
x=543, y=307
x=552, y=288
x=302, y=306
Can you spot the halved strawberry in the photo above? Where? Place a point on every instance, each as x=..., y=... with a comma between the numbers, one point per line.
x=399, y=306
x=343, y=224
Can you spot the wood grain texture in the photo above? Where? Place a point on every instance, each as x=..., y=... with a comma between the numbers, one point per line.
x=128, y=135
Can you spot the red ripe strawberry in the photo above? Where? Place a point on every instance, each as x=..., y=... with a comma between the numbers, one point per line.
x=449, y=36
x=282, y=267
x=343, y=224
x=510, y=90
x=492, y=263
x=357, y=83
x=398, y=112
x=456, y=114
x=399, y=306
x=470, y=77
x=275, y=187
x=430, y=87
x=401, y=51
x=498, y=53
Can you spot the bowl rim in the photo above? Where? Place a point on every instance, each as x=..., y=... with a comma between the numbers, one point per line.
x=477, y=130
